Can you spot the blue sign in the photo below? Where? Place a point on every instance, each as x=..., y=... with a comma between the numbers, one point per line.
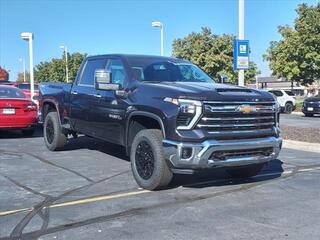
x=240, y=54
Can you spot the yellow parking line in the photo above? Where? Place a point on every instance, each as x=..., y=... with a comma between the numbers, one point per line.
x=96, y=199
x=80, y=201
x=15, y=211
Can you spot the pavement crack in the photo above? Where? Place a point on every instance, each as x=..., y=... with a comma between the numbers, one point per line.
x=24, y=187
x=49, y=163
x=17, y=232
x=61, y=167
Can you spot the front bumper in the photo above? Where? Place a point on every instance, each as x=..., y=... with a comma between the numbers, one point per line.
x=233, y=152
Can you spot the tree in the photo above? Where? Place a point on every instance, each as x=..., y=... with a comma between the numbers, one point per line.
x=213, y=53
x=55, y=70
x=4, y=74
x=20, y=77
x=297, y=55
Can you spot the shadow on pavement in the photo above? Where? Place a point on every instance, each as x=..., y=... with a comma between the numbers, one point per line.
x=84, y=142
x=219, y=177
x=9, y=134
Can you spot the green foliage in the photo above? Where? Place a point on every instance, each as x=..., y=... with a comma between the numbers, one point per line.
x=213, y=53
x=297, y=55
x=55, y=70
x=20, y=77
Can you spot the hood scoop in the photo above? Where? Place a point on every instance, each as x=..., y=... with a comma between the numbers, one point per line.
x=236, y=91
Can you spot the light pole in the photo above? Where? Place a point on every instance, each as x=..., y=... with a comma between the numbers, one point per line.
x=28, y=36
x=23, y=68
x=160, y=25
x=66, y=59
x=241, y=37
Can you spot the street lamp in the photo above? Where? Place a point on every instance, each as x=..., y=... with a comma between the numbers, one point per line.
x=66, y=59
x=160, y=25
x=28, y=36
x=23, y=68
x=241, y=37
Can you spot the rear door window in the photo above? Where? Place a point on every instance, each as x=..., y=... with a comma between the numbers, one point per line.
x=290, y=93
x=87, y=77
x=277, y=93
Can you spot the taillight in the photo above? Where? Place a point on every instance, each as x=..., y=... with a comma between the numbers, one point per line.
x=30, y=107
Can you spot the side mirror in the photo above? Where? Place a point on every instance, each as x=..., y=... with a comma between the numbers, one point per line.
x=102, y=79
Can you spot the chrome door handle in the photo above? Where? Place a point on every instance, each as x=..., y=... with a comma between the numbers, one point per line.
x=97, y=95
x=74, y=92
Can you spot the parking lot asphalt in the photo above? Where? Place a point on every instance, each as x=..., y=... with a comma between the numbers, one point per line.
x=87, y=191
x=299, y=120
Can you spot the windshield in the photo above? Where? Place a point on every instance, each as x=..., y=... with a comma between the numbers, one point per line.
x=6, y=92
x=162, y=70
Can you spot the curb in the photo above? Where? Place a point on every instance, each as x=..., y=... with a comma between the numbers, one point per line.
x=297, y=113
x=304, y=146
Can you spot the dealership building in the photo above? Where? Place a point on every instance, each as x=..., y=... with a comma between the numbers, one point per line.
x=269, y=83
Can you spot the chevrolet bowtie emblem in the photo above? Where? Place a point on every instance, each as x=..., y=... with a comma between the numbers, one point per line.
x=246, y=109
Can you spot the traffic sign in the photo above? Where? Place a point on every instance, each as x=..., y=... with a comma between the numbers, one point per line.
x=240, y=54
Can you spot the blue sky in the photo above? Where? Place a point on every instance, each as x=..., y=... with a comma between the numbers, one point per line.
x=98, y=27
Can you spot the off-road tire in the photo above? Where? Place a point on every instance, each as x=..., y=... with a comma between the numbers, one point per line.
x=52, y=132
x=288, y=108
x=245, y=171
x=161, y=175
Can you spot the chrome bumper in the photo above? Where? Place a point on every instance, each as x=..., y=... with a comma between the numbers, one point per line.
x=201, y=154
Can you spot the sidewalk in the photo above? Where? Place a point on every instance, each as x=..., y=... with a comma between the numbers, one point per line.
x=304, y=146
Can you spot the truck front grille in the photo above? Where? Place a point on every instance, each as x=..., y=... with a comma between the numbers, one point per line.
x=237, y=117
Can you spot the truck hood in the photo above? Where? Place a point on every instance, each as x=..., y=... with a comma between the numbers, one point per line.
x=211, y=91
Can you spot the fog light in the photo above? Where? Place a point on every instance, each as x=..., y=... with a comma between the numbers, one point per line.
x=186, y=152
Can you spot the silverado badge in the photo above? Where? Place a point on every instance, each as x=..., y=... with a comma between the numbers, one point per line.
x=246, y=109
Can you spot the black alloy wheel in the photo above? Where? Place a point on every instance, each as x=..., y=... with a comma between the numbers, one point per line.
x=144, y=160
x=50, y=131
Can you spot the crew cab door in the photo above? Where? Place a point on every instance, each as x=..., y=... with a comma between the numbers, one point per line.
x=108, y=109
x=82, y=96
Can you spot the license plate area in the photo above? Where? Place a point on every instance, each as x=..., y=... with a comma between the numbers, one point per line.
x=310, y=108
x=8, y=111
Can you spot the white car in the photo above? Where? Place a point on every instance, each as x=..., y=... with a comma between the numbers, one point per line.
x=286, y=99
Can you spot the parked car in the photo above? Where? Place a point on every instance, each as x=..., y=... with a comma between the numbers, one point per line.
x=286, y=99
x=25, y=87
x=170, y=116
x=311, y=106
x=17, y=111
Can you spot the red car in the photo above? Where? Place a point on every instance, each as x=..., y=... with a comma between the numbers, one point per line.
x=17, y=111
x=25, y=87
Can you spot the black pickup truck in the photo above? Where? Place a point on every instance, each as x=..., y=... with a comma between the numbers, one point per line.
x=170, y=116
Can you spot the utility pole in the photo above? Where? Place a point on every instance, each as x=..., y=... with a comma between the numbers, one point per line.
x=23, y=68
x=28, y=36
x=241, y=37
x=159, y=25
x=66, y=59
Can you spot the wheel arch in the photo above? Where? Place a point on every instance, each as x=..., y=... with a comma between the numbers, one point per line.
x=49, y=106
x=153, y=122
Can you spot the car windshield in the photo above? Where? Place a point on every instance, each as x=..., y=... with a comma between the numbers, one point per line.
x=150, y=69
x=27, y=87
x=6, y=92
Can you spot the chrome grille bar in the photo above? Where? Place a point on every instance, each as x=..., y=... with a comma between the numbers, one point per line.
x=237, y=118
x=235, y=125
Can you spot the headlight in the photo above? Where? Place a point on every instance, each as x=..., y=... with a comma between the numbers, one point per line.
x=189, y=112
x=277, y=107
